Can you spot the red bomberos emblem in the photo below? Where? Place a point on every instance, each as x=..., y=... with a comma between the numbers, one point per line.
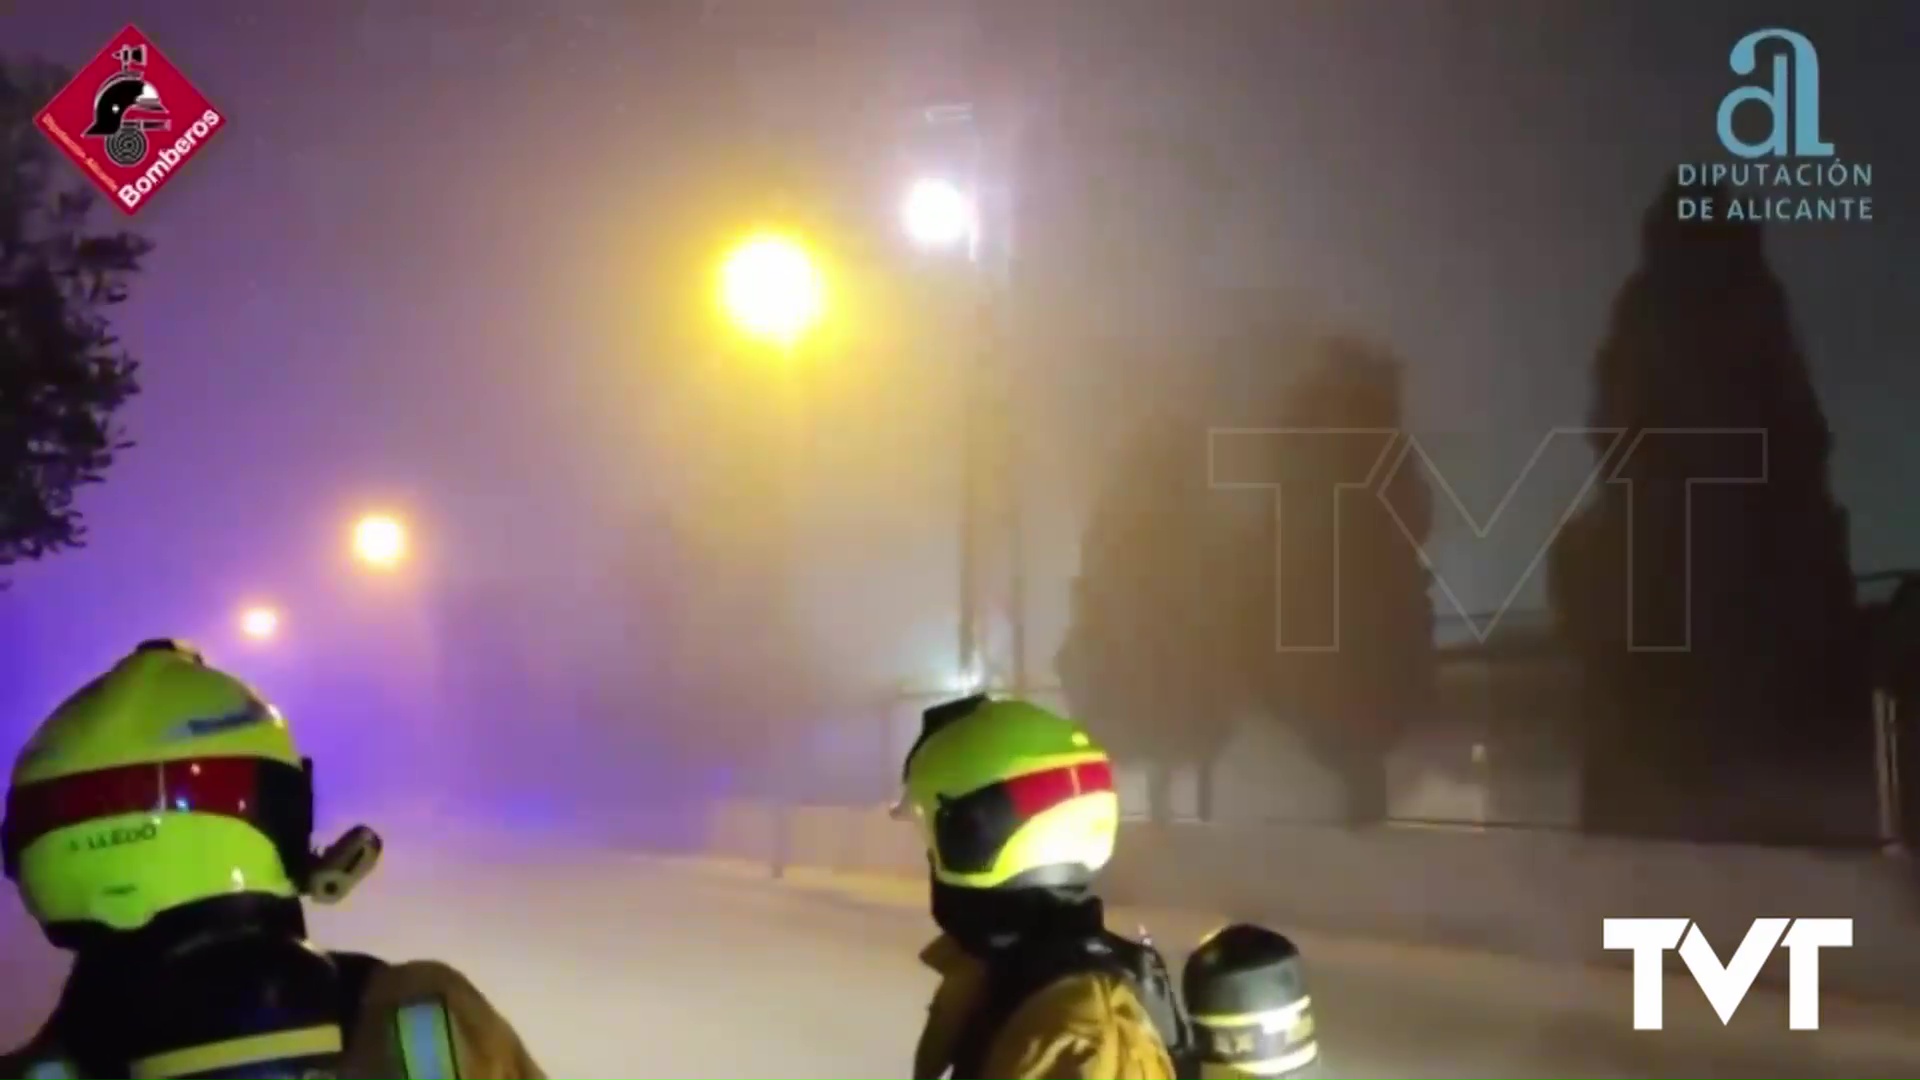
x=130, y=120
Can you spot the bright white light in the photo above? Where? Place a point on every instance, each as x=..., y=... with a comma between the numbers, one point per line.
x=380, y=541
x=968, y=680
x=937, y=213
x=259, y=623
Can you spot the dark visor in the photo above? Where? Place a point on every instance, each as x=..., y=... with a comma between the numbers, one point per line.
x=273, y=796
x=970, y=830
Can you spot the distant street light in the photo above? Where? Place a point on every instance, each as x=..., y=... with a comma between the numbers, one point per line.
x=259, y=623
x=938, y=214
x=772, y=290
x=380, y=541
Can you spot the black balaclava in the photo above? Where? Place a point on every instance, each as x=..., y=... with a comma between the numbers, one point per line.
x=197, y=974
x=987, y=921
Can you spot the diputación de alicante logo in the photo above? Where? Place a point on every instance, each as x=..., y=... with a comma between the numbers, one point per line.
x=1790, y=175
x=130, y=120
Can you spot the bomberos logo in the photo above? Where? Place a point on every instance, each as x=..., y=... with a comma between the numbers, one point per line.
x=130, y=120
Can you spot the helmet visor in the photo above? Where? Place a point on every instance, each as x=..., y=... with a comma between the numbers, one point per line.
x=273, y=796
x=969, y=831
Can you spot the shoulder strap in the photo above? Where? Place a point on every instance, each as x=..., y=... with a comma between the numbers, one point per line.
x=354, y=971
x=1152, y=981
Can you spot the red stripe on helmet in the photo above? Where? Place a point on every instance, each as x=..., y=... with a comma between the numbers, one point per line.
x=229, y=786
x=1095, y=777
x=1038, y=792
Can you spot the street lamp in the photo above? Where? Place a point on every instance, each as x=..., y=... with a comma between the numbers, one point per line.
x=380, y=541
x=772, y=290
x=937, y=214
x=259, y=623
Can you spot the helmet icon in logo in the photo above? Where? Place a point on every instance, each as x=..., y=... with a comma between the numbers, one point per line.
x=126, y=108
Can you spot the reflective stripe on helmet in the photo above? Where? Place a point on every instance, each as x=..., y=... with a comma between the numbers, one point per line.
x=424, y=1033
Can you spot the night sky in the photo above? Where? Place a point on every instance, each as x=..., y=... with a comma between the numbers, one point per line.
x=434, y=261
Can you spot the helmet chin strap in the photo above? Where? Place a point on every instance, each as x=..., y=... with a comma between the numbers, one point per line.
x=344, y=864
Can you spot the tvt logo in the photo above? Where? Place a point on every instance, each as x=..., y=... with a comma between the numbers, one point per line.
x=1795, y=79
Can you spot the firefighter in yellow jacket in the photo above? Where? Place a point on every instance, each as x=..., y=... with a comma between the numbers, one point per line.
x=1018, y=811
x=158, y=827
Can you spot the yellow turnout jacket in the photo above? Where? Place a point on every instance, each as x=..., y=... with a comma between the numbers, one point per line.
x=1089, y=1026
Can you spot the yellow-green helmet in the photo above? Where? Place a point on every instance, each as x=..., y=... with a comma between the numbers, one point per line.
x=161, y=783
x=1007, y=794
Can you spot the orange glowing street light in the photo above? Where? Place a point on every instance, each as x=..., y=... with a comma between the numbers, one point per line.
x=772, y=290
x=380, y=541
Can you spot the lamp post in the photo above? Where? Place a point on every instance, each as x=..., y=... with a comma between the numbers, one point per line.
x=773, y=294
x=945, y=214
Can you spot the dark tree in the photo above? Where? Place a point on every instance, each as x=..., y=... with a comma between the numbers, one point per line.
x=1727, y=684
x=63, y=374
x=1151, y=658
x=1349, y=703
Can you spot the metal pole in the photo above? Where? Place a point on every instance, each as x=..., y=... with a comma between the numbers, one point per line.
x=794, y=429
x=1014, y=487
x=967, y=658
x=986, y=412
x=996, y=394
x=1886, y=714
x=969, y=615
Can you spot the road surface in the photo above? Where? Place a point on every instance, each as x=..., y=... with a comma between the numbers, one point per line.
x=621, y=966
